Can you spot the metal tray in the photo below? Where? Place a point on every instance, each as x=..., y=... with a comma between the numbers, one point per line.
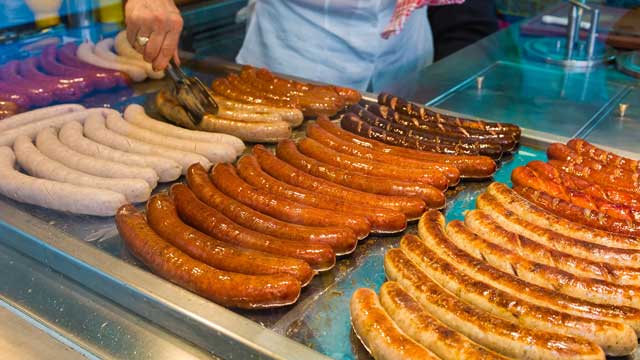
x=89, y=251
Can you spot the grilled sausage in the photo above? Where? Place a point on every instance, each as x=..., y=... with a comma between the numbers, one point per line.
x=208, y=193
x=428, y=331
x=502, y=336
x=223, y=287
x=382, y=220
x=614, y=338
x=431, y=230
x=211, y=222
x=412, y=207
x=469, y=166
x=227, y=180
x=287, y=151
x=315, y=150
x=379, y=334
x=584, y=148
x=162, y=217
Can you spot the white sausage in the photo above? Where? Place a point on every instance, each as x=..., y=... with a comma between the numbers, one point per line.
x=72, y=136
x=86, y=53
x=215, y=152
x=135, y=114
x=96, y=130
x=103, y=50
x=38, y=165
x=31, y=130
x=123, y=48
x=55, y=195
x=49, y=145
x=37, y=115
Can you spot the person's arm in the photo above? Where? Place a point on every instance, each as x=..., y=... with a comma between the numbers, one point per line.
x=456, y=26
x=159, y=21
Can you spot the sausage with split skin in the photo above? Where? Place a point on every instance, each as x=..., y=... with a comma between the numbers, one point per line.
x=53, y=194
x=534, y=214
x=469, y=166
x=223, y=287
x=428, y=331
x=287, y=151
x=614, y=338
x=510, y=221
x=163, y=218
x=382, y=220
x=412, y=207
x=225, y=178
x=316, y=150
x=317, y=133
x=379, y=334
x=207, y=192
x=431, y=230
x=499, y=335
x=38, y=165
x=213, y=223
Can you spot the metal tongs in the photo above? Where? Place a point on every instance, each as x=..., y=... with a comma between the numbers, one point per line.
x=192, y=94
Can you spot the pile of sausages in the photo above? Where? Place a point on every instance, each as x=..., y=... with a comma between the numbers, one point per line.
x=92, y=161
x=512, y=281
x=70, y=72
x=258, y=106
x=584, y=184
x=398, y=122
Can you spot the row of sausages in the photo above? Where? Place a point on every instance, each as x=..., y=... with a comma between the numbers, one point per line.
x=586, y=185
x=92, y=161
x=395, y=121
x=258, y=106
x=70, y=72
x=513, y=280
x=312, y=201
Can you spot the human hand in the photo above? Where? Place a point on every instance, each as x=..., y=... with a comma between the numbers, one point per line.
x=161, y=23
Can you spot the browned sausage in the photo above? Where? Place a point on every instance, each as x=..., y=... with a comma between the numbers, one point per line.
x=227, y=180
x=412, y=207
x=315, y=150
x=626, y=182
x=211, y=222
x=584, y=148
x=223, y=287
x=208, y=193
x=164, y=220
x=382, y=220
x=470, y=166
x=287, y=151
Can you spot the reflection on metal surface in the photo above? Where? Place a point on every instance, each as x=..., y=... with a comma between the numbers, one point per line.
x=479, y=82
x=88, y=322
x=622, y=109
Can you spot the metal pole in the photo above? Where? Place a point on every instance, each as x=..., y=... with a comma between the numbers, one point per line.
x=571, y=30
x=593, y=32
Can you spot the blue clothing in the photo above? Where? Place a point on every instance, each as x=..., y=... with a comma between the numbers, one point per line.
x=336, y=42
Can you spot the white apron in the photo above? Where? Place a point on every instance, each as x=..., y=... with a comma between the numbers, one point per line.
x=336, y=42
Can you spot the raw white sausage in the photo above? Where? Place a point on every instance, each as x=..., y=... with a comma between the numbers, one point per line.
x=37, y=115
x=38, y=165
x=135, y=114
x=86, y=53
x=103, y=50
x=123, y=48
x=71, y=135
x=95, y=129
x=55, y=195
x=50, y=146
x=31, y=130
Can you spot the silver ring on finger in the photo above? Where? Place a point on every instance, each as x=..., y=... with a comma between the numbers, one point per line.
x=142, y=40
